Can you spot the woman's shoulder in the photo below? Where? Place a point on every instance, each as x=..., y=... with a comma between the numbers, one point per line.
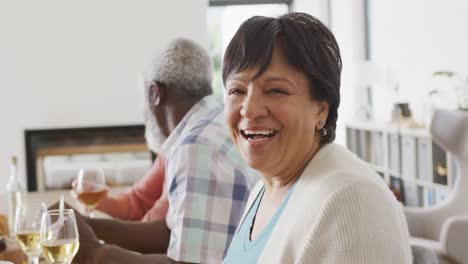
x=336, y=157
x=335, y=167
x=352, y=208
x=362, y=219
x=338, y=179
x=362, y=195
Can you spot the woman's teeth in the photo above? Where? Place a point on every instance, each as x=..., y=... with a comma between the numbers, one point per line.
x=258, y=134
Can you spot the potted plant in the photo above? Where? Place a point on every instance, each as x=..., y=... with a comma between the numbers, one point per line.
x=459, y=85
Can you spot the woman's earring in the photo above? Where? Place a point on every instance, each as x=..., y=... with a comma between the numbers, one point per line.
x=323, y=130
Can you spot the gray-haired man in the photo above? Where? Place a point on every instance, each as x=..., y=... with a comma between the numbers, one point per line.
x=206, y=178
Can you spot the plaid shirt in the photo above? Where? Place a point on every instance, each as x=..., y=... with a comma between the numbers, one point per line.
x=208, y=185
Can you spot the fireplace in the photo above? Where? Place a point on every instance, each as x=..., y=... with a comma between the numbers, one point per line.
x=54, y=156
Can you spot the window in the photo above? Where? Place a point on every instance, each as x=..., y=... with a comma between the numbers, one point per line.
x=223, y=22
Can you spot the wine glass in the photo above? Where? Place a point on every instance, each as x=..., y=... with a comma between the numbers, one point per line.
x=59, y=236
x=27, y=228
x=90, y=188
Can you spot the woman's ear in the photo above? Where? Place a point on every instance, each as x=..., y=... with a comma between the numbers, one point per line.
x=323, y=108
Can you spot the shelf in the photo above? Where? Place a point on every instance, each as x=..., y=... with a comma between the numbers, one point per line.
x=393, y=173
x=371, y=126
x=415, y=132
x=426, y=184
x=401, y=155
x=422, y=183
x=378, y=168
x=389, y=128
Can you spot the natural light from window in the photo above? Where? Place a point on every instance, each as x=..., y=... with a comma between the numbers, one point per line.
x=223, y=22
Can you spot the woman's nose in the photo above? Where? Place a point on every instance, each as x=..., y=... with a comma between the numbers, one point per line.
x=253, y=106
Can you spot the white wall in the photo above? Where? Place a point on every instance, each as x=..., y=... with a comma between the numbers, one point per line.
x=416, y=38
x=317, y=8
x=346, y=20
x=74, y=63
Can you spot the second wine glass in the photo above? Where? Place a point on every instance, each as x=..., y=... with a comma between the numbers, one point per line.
x=59, y=236
x=91, y=188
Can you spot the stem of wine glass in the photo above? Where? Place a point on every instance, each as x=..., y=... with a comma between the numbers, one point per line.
x=33, y=260
x=89, y=211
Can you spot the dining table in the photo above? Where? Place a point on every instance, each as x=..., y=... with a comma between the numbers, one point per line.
x=13, y=252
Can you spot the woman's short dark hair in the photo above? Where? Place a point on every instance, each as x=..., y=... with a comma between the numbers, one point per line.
x=306, y=43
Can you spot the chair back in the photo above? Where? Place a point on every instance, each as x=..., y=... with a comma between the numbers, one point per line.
x=449, y=129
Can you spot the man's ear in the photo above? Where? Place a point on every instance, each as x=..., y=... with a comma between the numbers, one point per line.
x=158, y=94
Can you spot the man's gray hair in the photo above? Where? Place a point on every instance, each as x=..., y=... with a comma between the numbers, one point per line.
x=184, y=67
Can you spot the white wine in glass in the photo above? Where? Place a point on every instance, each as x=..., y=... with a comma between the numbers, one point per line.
x=27, y=228
x=91, y=188
x=59, y=236
x=61, y=250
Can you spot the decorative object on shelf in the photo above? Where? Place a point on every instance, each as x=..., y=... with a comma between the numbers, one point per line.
x=396, y=188
x=459, y=88
x=442, y=170
x=405, y=110
x=402, y=116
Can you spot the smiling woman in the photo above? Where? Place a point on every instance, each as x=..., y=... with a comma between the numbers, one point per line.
x=262, y=117
x=282, y=79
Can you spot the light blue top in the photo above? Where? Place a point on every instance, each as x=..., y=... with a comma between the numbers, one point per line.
x=242, y=249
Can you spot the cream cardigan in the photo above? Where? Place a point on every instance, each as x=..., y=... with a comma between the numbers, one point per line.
x=339, y=212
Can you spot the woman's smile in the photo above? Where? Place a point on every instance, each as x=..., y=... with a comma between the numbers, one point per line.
x=258, y=138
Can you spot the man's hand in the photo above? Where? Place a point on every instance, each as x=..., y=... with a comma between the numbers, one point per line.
x=55, y=206
x=89, y=243
x=76, y=195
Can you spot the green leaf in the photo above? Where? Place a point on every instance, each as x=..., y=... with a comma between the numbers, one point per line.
x=449, y=74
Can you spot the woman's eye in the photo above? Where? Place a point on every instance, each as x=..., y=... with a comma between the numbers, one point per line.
x=277, y=91
x=236, y=91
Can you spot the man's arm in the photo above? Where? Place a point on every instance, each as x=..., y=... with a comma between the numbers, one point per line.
x=91, y=251
x=135, y=203
x=116, y=207
x=149, y=237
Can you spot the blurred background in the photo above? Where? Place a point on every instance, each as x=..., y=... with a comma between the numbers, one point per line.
x=69, y=71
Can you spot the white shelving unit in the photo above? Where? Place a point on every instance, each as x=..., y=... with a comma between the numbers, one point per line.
x=414, y=167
